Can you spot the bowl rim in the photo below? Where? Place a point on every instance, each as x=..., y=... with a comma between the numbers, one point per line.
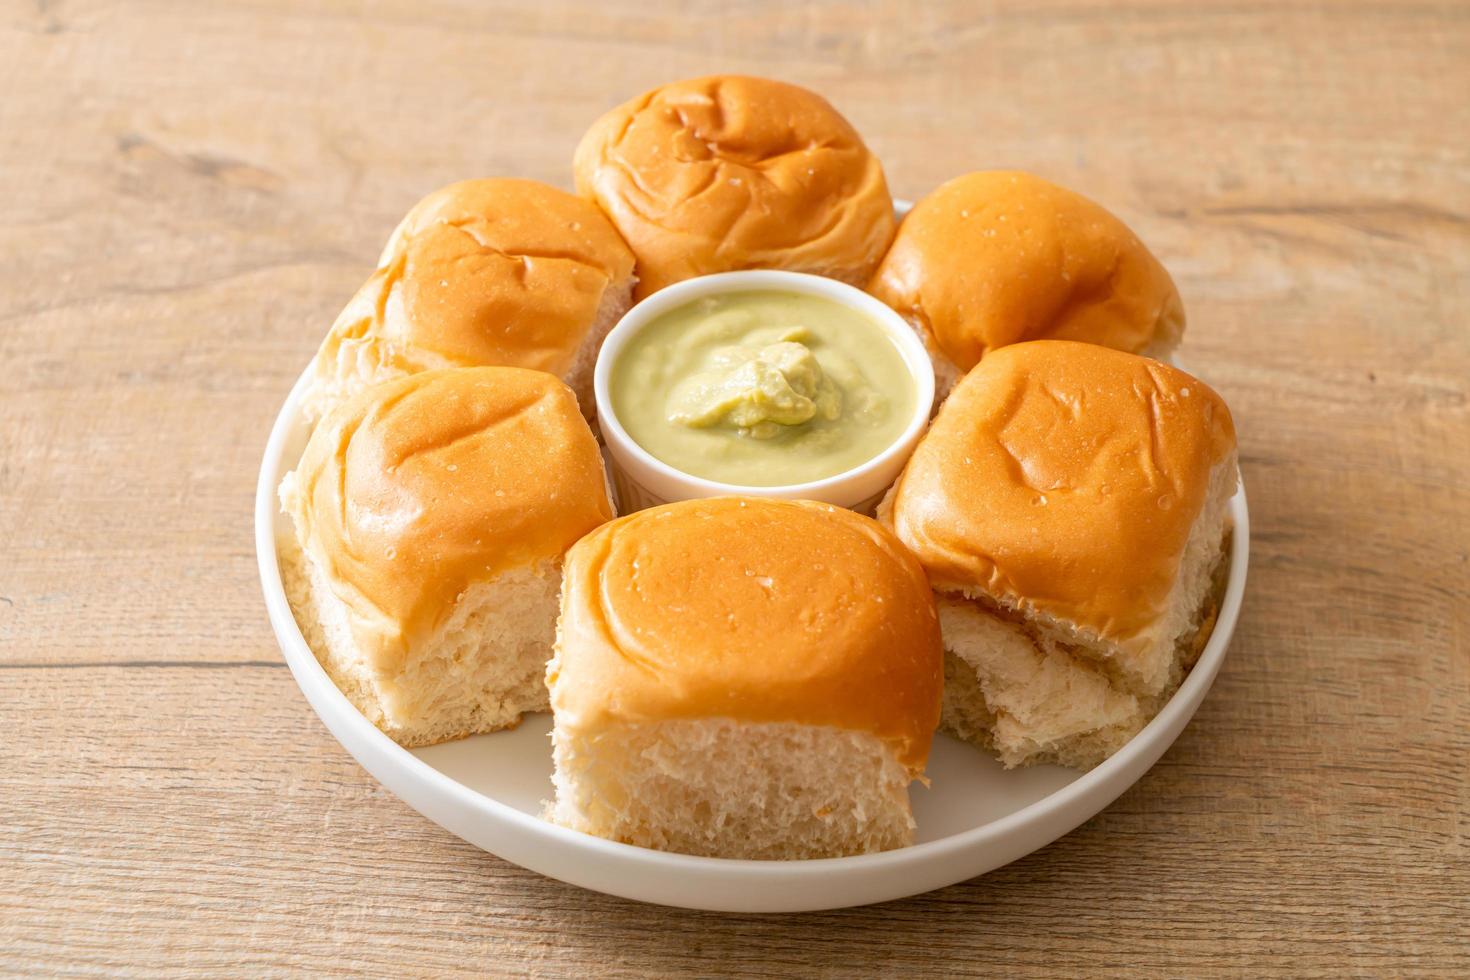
x=1059, y=806
x=911, y=349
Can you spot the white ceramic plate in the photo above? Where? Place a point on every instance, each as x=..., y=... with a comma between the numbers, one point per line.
x=488, y=789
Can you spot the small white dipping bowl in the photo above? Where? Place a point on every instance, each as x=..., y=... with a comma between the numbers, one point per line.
x=643, y=480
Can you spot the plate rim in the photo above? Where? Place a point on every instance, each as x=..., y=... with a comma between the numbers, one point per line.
x=750, y=885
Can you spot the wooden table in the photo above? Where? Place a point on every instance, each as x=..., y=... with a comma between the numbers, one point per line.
x=188, y=193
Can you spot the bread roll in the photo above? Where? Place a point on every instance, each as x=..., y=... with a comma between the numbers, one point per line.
x=728, y=172
x=743, y=677
x=432, y=513
x=483, y=272
x=1069, y=505
x=999, y=257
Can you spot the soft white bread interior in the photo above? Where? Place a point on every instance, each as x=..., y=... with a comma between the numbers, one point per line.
x=1035, y=694
x=723, y=788
x=1070, y=506
x=431, y=514
x=743, y=677
x=480, y=673
x=731, y=172
x=1000, y=257
x=482, y=272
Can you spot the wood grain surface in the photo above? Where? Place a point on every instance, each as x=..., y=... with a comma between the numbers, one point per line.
x=189, y=192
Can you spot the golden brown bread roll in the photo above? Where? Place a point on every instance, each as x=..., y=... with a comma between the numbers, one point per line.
x=797, y=638
x=1069, y=505
x=999, y=257
x=480, y=273
x=432, y=512
x=729, y=172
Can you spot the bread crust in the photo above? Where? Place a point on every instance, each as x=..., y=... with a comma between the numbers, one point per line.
x=482, y=272
x=1063, y=480
x=751, y=609
x=1000, y=257
x=415, y=489
x=730, y=172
